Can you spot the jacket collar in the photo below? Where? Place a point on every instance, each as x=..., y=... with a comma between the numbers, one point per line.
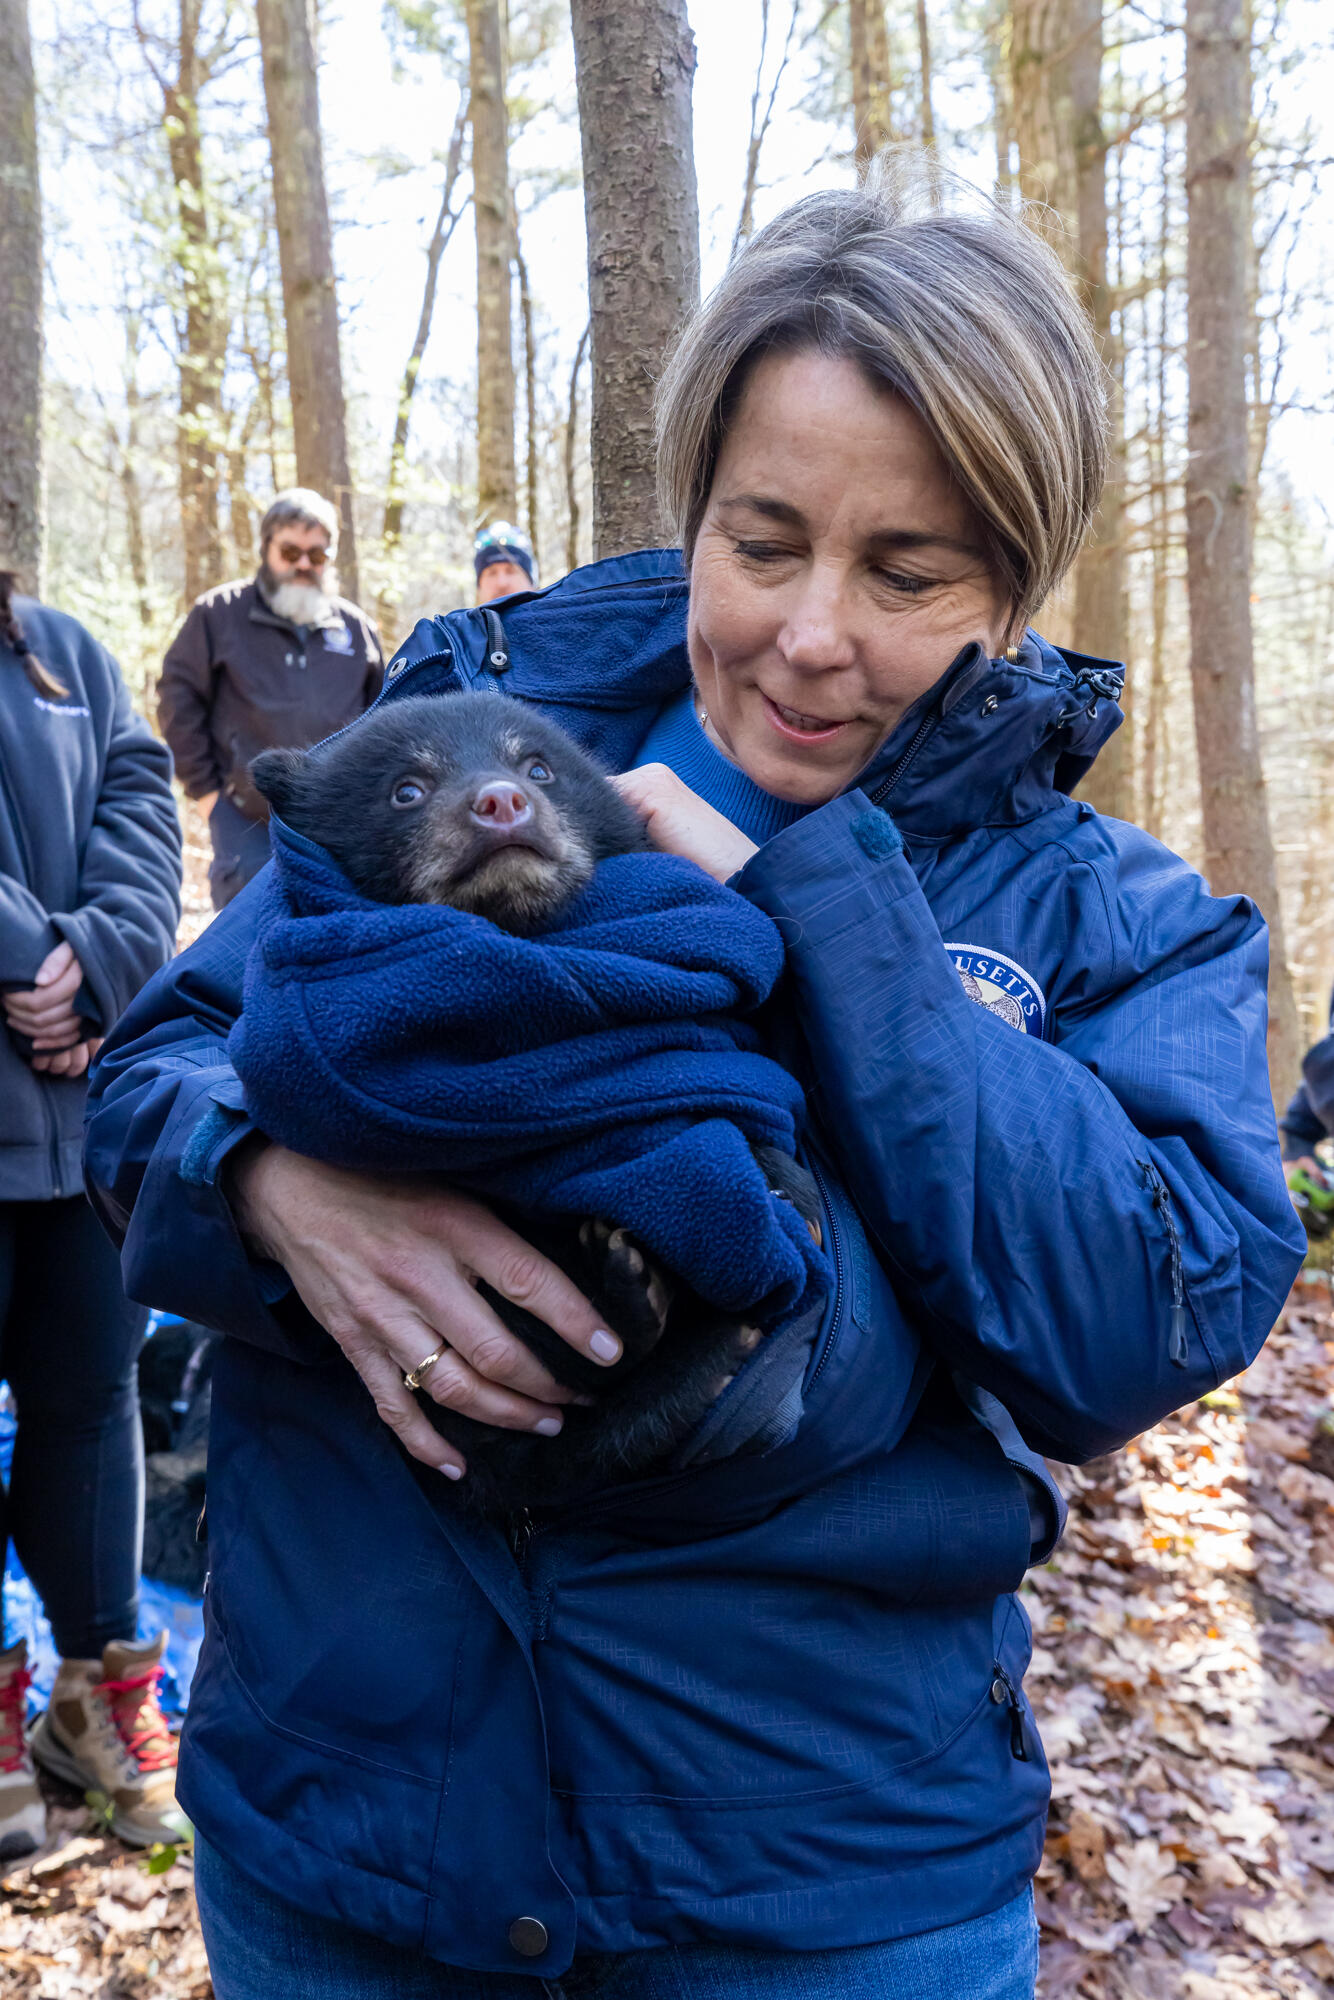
x=993, y=742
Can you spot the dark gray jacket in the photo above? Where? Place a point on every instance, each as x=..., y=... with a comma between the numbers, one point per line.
x=239, y=679
x=90, y=851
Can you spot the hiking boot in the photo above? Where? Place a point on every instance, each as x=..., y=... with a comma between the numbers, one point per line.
x=103, y=1731
x=22, y=1814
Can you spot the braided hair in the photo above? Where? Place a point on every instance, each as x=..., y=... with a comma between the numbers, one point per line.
x=41, y=677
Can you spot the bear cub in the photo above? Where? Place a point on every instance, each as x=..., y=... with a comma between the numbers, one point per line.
x=479, y=802
x=469, y=799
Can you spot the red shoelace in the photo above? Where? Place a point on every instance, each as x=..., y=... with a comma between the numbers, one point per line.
x=13, y=1715
x=139, y=1721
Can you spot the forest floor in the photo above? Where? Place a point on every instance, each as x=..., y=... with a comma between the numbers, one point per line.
x=1183, y=1677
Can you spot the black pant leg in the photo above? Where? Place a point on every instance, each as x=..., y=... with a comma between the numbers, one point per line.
x=7, y=1233
x=71, y=1343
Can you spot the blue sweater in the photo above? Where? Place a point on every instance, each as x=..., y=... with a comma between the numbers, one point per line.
x=678, y=740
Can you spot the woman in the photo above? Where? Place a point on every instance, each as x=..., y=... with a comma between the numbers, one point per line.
x=90, y=871
x=757, y=1728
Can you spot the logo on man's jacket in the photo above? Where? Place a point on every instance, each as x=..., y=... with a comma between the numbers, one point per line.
x=999, y=985
x=60, y=707
x=337, y=639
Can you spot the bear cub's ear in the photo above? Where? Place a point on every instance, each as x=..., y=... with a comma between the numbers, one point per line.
x=278, y=776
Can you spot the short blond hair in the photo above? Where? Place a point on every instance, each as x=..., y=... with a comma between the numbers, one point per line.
x=952, y=301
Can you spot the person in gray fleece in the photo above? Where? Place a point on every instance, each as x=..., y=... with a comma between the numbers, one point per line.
x=90, y=872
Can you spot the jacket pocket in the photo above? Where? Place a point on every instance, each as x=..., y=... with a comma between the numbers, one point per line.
x=735, y=1691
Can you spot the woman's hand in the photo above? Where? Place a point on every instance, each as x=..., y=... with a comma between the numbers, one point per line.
x=388, y=1267
x=68, y=1062
x=44, y=1011
x=679, y=821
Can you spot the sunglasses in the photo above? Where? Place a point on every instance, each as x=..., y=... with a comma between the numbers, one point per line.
x=292, y=555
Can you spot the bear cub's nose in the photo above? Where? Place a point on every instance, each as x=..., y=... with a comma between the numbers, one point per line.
x=501, y=805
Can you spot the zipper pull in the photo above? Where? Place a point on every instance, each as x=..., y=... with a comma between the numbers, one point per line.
x=1004, y=1690
x=1178, y=1337
x=1178, y=1347
x=520, y=1534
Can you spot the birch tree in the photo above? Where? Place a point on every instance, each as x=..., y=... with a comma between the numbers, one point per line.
x=305, y=251
x=1238, y=845
x=20, y=305
x=635, y=68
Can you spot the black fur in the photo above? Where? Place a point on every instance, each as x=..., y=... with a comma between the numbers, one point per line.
x=394, y=800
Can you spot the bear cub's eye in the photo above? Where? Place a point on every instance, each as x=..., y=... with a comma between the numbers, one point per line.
x=408, y=792
x=538, y=771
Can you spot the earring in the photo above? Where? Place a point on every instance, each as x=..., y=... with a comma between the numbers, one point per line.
x=1012, y=654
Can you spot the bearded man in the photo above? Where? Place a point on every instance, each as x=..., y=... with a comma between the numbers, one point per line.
x=277, y=663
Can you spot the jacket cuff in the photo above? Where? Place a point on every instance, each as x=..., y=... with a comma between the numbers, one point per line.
x=830, y=872
x=224, y=1126
x=183, y=1199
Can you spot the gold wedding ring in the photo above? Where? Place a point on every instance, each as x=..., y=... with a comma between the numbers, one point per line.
x=415, y=1376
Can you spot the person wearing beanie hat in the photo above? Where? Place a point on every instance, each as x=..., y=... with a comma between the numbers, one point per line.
x=503, y=560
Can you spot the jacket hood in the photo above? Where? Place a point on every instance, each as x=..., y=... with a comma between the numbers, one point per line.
x=994, y=742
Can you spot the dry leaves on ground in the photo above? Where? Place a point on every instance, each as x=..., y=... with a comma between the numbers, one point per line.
x=85, y=1920
x=1183, y=1677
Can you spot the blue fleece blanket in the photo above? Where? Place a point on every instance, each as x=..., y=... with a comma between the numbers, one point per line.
x=602, y=1069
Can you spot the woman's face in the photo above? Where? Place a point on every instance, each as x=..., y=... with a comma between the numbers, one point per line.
x=836, y=575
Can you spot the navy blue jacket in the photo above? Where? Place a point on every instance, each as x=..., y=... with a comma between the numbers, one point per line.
x=90, y=853
x=775, y=1700
x=1309, y=1118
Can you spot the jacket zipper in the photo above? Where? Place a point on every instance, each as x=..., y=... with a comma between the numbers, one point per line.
x=839, y=1260
x=1003, y=1690
x=1178, y=1345
x=925, y=728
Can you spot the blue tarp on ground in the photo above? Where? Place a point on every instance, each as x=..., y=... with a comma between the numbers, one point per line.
x=159, y=1604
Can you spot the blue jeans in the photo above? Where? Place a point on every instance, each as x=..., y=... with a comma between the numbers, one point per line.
x=260, y=1948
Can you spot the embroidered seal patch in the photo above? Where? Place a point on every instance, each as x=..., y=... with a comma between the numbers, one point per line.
x=1000, y=985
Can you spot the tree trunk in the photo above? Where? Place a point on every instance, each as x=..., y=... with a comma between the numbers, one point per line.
x=203, y=355
x=445, y=223
x=1238, y=845
x=1102, y=608
x=305, y=250
x=21, y=521
x=924, y=66
x=1002, y=111
x=1056, y=56
x=1155, y=723
x=529, y=394
x=635, y=67
x=496, y=493
x=127, y=455
x=871, y=80
x=571, y=484
x=760, y=121
x=1041, y=90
